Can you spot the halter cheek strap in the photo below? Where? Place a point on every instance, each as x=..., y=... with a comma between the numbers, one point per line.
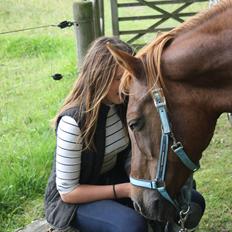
x=179, y=151
x=159, y=182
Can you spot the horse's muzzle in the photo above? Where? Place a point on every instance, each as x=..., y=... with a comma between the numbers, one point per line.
x=153, y=206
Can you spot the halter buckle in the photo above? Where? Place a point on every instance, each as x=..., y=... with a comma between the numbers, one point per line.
x=158, y=99
x=176, y=146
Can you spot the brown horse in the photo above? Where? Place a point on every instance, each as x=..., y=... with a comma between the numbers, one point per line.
x=192, y=64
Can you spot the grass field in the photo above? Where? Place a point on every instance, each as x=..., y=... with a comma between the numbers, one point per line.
x=29, y=98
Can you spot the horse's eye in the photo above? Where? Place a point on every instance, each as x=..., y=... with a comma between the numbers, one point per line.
x=136, y=124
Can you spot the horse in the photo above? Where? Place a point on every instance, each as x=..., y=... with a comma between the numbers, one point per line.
x=178, y=86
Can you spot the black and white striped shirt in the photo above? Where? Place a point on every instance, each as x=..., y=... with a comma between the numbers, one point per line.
x=69, y=147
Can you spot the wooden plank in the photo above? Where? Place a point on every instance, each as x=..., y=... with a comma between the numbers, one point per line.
x=149, y=28
x=134, y=4
x=96, y=18
x=160, y=14
x=145, y=31
x=146, y=17
x=159, y=22
x=114, y=12
x=174, y=16
x=102, y=17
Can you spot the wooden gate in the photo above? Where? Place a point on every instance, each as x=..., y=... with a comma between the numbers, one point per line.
x=138, y=21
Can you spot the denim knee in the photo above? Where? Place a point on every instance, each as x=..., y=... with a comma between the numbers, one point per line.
x=110, y=216
x=133, y=224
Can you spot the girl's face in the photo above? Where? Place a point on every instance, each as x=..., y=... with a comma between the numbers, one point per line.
x=112, y=96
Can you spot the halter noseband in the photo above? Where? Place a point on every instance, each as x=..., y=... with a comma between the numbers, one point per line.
x=159, y=181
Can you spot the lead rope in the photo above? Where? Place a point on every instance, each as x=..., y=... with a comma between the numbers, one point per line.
x=187, y=193
x=186, y=198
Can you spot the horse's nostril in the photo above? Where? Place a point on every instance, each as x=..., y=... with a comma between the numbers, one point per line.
x=137, y=207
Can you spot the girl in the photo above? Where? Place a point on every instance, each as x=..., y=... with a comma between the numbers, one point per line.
x=89, y=187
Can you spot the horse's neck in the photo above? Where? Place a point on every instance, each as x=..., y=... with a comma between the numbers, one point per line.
x=202, y=63
x=197, y=73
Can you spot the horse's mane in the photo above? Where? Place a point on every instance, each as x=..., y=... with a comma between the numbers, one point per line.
x=151, y=54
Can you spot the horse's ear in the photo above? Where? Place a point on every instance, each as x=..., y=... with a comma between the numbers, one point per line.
x=132, y=64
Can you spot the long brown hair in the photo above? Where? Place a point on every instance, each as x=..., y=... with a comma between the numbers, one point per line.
x=91, y=87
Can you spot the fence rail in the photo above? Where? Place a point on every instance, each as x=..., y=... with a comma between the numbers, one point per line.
x=137, y=28
x=161, y=12
x=164, y=2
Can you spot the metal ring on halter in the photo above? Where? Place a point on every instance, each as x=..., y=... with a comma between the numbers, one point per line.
x=176, y=145
x=183, y=217
x=183, y=213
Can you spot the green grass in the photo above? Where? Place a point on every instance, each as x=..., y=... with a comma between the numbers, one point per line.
x=214, y=180
x=29, y=98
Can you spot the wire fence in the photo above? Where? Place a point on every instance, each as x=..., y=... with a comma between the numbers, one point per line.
x=61, y=25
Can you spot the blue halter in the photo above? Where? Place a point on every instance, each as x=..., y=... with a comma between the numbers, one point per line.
x=159, y=182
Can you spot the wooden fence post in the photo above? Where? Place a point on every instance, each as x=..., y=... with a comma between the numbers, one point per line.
x=96, y=18
x=114, y=12
x=102, y=17
x=83, y=16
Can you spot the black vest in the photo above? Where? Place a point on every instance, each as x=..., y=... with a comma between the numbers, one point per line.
x=60, y=214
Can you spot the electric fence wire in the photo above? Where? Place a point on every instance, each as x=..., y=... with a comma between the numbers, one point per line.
x=61, y=25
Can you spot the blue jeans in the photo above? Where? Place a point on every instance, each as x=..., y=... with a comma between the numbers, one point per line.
x=113, y=216
x=108, y=216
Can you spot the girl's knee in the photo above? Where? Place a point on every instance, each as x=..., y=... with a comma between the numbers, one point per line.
x=135, y=224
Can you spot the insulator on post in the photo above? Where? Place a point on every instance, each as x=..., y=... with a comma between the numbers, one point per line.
x=57, y=76
x=65, y=24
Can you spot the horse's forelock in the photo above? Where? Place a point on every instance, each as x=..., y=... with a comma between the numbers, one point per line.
x=125, y=83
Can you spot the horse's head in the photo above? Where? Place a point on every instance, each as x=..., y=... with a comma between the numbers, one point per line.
x=192, y=65
x=158, y=178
